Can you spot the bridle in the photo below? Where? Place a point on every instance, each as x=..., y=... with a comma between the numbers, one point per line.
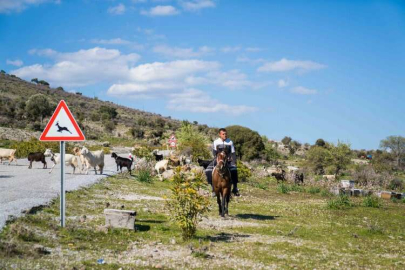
x=221, y=170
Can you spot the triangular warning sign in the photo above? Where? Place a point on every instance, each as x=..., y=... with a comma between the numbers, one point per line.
x=62, y=126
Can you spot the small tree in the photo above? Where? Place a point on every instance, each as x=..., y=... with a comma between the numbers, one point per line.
x=43, y=83
x=190, y=138
x=318, y=158
x=186, y=202
x=396, y=145
x=294, y=146
x=286, y=140
x=35, y=80
x=248, y=143
x=320, y=142
x=340, y=156
x=38, y=106
x=110, y=112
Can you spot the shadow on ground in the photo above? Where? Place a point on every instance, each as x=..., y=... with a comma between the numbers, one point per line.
x=256, y=216
x=225, y=237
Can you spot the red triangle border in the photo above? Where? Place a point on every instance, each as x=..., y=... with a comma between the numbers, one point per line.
x=62, y=104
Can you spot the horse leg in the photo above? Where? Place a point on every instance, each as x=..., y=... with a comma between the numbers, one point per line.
x=223, y=204
x=29, y=167
x=219, y=205
x=228, y=196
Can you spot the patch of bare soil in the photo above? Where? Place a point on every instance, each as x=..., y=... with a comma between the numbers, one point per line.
x=227, y=222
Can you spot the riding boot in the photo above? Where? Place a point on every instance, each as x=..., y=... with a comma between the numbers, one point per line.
x=234, y=178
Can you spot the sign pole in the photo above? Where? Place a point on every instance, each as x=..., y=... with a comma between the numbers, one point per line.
x=62, y=182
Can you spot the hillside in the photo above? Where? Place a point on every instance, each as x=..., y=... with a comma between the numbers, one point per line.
x=98, y=119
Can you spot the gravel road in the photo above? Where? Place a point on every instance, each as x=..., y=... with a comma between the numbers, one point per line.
x=22, y=188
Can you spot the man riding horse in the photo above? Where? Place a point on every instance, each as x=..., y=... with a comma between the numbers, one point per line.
x=223, y=143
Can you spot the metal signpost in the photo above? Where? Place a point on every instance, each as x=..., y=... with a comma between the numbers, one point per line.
x=62, y=127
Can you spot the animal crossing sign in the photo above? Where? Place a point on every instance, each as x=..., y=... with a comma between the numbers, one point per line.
x=62, y=126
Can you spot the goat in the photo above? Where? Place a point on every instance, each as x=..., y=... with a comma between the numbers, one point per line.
x=279, y=176
x=93, y=159
x=8, y=154
x=204, y=163
x=71, y=160
x=83, y=161
x=157, y=156
x=161, y=165
x=299, y=178
x=123, y=162
x=37, y=156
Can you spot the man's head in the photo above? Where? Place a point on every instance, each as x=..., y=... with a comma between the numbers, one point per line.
x=223, y=134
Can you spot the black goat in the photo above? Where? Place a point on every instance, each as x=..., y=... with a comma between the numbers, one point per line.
x=158, y=157
x=299, y=178
x=204, y=163
x=123, y=162
x=279, y=176
x=37, y=156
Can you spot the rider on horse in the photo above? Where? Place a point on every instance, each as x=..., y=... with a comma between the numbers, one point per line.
x=223, y=143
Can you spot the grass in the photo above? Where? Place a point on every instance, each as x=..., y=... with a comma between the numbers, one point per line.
x=266, y=228
x=371, y=201
x=340, y=202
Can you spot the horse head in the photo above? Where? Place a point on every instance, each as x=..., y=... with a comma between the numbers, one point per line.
x=221, y=160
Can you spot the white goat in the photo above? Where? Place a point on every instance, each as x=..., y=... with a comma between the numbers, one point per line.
x=7, y=154
x=161, y=166
x=83, y=161
x=93, y=159
x=69, y=160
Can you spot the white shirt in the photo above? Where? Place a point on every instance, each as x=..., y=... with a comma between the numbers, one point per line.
x=220, y=142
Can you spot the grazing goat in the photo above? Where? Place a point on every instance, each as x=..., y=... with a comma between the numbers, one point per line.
x=279, y=176
x=123, y=162
x=299, y=178
x=8, y=154
x=161, y=166
x=83, y=161
x=71, y=160
x=204, y=163
x=329, y=177
x=157, y=156
x=93, y=159
x=38, y=157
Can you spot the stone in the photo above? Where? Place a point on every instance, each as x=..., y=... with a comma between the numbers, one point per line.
x=106, y=144
x=120, y=218
x=168, y=174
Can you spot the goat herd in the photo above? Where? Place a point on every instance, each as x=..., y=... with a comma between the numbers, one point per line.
x=81, y=159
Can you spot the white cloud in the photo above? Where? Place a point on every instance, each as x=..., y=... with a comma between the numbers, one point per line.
x=81, y=68
x=117, y=10
x=244, y=59
x=303, y=91
x=196, y=5
x=114, y=41
x=229, y=49
x=282, y=83
x=287, y=65
x=194, y=100
x=176, y=52
x=253, y=49
x=17, y=62
x=8, y=6
x=161, y=11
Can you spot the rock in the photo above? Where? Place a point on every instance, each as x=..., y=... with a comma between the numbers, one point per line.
x=168, y=174
x=41, y=249
x=120, y=218
x=106, y=144
x=83, y=219
x=173, y=241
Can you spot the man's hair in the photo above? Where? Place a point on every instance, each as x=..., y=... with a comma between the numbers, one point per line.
x=221, y=129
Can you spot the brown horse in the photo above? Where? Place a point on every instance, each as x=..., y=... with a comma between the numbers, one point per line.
x=221, y=182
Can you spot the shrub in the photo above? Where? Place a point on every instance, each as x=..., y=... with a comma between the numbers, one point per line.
x=186, y=203
x=283, y=188
x=248, y=143
x=143, y=152
x=396, y=184
x=144, y=175
x=243, y=172
x=24, y=148
x=189, y=137
x=314, y=190
x=372, y=201
x=341, y=202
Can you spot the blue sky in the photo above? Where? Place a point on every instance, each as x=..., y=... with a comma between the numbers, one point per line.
x=306, y=69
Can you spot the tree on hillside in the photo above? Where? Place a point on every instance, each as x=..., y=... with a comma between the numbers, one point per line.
x=320, y=142
x=35, y=80
x=43, y=83
x=318, y=158
x=109, y=112
x=191, y=140
x=382, y=161
x=340, y=156
x=286, y=140
x=294, y=146
x=396, y=145
x=270, y=152
x=248, y=143
x=38, y=106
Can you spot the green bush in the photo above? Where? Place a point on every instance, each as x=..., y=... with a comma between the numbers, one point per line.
x=283, y=188
x=341, y=202
x=244, y=172
x=106, y=150
x=190, y=138
x=144, y=175
x=143, y=152
x=314, y=190
x=371, y=201
x=186, y=203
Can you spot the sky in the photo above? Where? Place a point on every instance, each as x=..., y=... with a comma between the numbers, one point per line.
x=304, y=69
